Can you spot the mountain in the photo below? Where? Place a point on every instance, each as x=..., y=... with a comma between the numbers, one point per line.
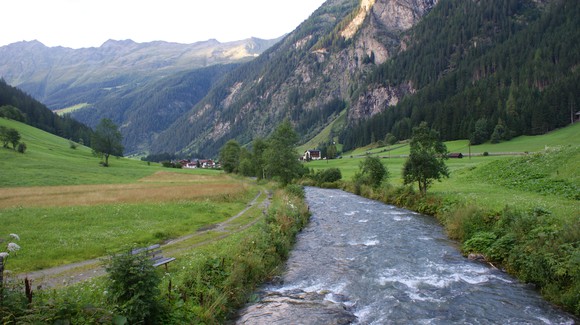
x=484, y=70
x=109, y=80
x=509, y=66
x=307, y=77
x=477, y=70
x=54, y=74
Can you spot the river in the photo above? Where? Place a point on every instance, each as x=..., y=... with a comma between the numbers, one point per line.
x=364, y=262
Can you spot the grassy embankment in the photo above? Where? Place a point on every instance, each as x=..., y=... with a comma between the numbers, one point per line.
x=522, y=212
x=66, y=208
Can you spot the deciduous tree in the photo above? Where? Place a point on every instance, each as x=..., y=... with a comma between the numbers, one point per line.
x=230, y=156
x=280, y=157
x=371, y=172
x=426, y=160
x=107, y=140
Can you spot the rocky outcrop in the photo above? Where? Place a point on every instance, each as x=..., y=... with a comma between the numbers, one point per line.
x=279, y=309
x=380, y=38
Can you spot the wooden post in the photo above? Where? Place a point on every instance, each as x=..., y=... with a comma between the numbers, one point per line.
x=1, y=271
x=28, y=289
x=469, y=145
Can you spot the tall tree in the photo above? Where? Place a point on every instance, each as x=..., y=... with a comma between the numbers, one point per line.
x=107, y=140
x=280, y=156
x=9, y=135
x=426, y=161
x=230, y=156
x=259, y=146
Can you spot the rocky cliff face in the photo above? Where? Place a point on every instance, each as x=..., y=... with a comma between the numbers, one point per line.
x=380, y=38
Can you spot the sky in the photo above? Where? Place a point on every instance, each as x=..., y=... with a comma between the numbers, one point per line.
x=89, y=23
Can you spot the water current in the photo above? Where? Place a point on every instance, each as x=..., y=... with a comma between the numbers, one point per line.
x=363, y=262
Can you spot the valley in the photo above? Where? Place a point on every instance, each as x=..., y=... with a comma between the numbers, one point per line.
x=496, y=81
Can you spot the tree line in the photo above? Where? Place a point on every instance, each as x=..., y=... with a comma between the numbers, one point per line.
x=19, y=106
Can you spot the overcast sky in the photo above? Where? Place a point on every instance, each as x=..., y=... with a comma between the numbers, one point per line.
x=89, y=23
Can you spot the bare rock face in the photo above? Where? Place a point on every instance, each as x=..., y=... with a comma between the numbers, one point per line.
x=401, y=14
x=380, y=37
x=296, y=308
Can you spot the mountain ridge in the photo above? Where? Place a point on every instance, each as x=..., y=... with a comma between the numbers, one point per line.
x=110, y=80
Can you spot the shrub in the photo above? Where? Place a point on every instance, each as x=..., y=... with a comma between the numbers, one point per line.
x=371, y=172
x=21, y=147
x=133, y=286
x=481, y=242
x=328, y=175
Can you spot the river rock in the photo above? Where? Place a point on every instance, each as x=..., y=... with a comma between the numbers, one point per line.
x=296, y=308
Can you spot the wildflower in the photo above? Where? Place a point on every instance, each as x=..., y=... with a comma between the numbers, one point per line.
x=15, y=236
x=4, y=255
x=13, y=247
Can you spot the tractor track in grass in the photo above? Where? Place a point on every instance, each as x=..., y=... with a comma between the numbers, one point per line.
x=69, y=274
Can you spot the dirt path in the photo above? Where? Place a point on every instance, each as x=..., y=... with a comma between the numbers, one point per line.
x=76, y=272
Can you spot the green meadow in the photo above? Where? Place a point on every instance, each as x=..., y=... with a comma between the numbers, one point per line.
x=67, y=208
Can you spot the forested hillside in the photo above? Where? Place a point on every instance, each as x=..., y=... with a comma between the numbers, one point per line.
x=252, y=100
x=143, y=112
x=34, y=113
x=483, y=70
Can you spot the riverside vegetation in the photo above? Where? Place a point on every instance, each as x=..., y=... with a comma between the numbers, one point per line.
x=67, y=208
x=524, y=220
x=520, y=212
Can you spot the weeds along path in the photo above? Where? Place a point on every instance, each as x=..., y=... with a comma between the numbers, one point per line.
x=76, y=272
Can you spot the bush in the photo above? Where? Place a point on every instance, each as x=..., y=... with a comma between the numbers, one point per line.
x=21, y=147
x=133, y=286
x=481, y=242
x=328, y=175
x=371, y=172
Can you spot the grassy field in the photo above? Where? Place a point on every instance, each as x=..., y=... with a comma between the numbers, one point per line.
x=517, y=145
x=67, y=208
